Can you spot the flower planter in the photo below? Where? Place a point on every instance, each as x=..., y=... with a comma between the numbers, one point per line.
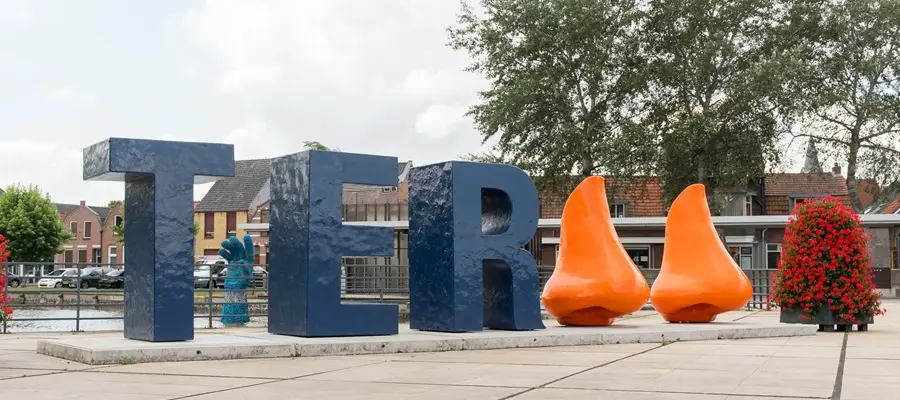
x=826, y=319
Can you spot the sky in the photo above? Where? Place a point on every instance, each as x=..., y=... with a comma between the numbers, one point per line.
x=371, y=77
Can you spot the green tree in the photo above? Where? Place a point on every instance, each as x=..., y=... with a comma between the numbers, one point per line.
x=31, y=223
x=316, y=145
x=564, y=76
x=853, y=87
x=120, y=229
x=718, y=95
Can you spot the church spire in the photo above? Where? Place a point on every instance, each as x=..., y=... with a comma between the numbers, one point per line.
x=811, y=163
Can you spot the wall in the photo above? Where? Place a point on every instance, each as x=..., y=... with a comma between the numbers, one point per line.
x=79, y=215
x=201, y=243
x=110, y=239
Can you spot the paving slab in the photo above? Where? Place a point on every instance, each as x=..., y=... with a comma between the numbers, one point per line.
x=117, y=350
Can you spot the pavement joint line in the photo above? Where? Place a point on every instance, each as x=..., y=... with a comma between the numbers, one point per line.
x=748, y=315
x=276, y=380
x=751, y=396
x=544, y=385
x=839, y=378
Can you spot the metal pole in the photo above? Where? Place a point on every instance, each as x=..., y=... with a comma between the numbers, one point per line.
x=77, y=300
x=209, y=301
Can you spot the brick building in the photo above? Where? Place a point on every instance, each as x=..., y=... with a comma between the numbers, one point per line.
x=94, y=239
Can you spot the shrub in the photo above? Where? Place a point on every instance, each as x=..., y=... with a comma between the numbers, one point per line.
x=825, y=261
x=5, y=311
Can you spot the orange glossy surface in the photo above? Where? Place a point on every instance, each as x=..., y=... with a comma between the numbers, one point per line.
x=698, y=278
x=595, y=281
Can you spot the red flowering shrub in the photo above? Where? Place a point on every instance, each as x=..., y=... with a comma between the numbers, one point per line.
x=5, y=311
x=825, y=261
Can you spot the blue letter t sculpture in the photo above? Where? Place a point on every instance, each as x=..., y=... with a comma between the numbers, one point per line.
x=159, y=239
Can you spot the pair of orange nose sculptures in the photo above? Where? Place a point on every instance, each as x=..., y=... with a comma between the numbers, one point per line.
x=595, y=281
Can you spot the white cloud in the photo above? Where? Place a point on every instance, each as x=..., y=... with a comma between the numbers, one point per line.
x=440, y=121
x=68, y=95
x=350, y=74
x=430, y=83
x=14, y=12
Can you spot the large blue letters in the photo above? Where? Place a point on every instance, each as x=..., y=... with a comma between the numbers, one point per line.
x=307, y=241
x=467, y=225
x=159, y=239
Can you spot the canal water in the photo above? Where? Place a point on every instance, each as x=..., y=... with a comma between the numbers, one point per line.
x=19, y=322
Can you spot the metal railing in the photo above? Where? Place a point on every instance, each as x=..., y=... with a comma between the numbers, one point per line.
x=89, y=302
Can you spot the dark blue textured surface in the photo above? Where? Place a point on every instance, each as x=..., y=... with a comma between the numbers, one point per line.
x=159, y=240
x=307, y=241
x=467, y=225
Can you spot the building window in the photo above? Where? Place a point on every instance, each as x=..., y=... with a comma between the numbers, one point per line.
x=87, y=229
x=96, y=256
x=113, y=257
x=640, y=256
x=617, y=210
x=773, y=255
x=118, y=220
x=748, y=205
x=73, y=226
x=83, y=256
x=743, y=256
x=231, y=223
x=68, y=256
x=209, y=226
x=391, y=189
x=800, y=200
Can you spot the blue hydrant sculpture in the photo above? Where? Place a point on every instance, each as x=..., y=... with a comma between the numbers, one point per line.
x=237, y=279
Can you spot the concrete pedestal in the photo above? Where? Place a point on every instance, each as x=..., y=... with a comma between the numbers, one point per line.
x=112, y=348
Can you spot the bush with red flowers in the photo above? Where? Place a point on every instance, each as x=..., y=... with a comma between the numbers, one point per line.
x=5, y=311
x=825, y=262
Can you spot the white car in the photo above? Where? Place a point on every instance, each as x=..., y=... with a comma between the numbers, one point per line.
x=54, y=279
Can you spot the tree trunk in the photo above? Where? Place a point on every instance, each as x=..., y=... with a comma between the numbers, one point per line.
x=703, y=177
x=851, y=173
x=587, y=164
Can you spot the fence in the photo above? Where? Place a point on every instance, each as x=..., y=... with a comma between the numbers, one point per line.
x=82, y=295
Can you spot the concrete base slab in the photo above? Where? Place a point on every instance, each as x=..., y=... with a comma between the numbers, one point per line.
x=114, y=349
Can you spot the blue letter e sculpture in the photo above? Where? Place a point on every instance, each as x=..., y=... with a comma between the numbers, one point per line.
x=307, y=241
x=467, y=225
x=159, y=181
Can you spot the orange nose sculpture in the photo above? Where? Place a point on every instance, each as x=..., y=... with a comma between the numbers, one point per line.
x=595, y=281
x=698, y=279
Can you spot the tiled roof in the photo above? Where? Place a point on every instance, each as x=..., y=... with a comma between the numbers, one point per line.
x=65, y=208
x=805, y=184
x=642, y=199
x=238, y=192
x=892, y=207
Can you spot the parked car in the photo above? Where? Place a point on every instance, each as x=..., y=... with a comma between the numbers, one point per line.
x=260, y=276
x=54, y=278
x=203, y=272
x=13, y=281
x=90, y=277
x=113, y=280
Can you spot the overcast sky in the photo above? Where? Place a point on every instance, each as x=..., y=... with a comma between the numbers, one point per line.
x=364, y=76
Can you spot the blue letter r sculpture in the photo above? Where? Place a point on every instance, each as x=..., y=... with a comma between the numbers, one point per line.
x=159, y=181
x=467, y=225
x=307, y=241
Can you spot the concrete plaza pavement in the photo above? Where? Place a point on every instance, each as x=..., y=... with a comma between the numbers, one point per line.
x=858, y=365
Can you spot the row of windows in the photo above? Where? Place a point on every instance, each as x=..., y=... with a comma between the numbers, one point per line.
x=209, y=224
x=81, y=255
x=88, y=227
x=743, y=256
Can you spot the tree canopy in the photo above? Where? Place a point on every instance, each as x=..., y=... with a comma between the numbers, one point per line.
x=852, y=87
x=564, y=75
x=31, y=223
x=685, y=90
